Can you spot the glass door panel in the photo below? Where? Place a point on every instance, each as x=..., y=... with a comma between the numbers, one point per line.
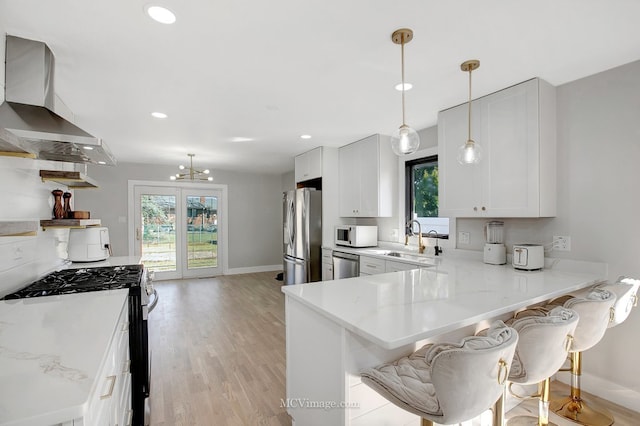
x=202, y=225
x=156, y=232
x=159, y=232
x=202, y=232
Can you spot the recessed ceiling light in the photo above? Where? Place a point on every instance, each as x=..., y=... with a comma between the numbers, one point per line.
x=241, y=139
x=305, y=136
x=157, y=114
x=88, y=148
x=407, y=87
x=101, y=162
x=160, y=14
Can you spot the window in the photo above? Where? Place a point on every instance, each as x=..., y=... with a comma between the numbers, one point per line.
x=421, y=181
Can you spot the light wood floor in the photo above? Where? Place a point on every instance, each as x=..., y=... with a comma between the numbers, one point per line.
x=218, y=355
x=218, y=352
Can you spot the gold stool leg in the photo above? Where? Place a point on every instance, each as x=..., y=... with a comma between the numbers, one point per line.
x=426, y=422
x=574, y=407
x=543, y=410
x=498, y=409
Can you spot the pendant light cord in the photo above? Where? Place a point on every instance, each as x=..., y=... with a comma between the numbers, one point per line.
x=403, y=86
x=469, y=126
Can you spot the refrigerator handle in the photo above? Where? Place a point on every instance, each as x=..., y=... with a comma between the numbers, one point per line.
x=294, y=260
x=292, y=228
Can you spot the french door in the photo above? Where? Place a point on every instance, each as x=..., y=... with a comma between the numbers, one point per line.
x=178, y=230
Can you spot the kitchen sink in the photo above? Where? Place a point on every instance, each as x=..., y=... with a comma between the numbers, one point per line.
x=409, y=256
x=401, y=255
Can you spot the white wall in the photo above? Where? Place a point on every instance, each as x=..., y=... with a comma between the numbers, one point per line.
x=26, y=197
x=254, y=205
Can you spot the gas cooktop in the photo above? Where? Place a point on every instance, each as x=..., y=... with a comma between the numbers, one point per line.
x=81, y=280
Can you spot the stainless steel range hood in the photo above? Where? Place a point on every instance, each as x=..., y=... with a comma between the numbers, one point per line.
x=29, y=124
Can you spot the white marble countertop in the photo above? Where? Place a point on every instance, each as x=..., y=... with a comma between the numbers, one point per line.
x=400, y=308
x=51, y=349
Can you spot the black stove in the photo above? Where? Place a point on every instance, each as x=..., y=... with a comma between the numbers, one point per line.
x=81, y=280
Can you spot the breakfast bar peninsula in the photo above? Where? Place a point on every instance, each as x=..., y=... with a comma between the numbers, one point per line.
x=334, y=329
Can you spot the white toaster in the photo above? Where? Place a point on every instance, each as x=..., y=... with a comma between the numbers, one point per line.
x=528, y=257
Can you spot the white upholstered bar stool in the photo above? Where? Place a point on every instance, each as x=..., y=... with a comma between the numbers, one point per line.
x=450, y=383
x=594, y=306
x=544, y=339
x=626, y=291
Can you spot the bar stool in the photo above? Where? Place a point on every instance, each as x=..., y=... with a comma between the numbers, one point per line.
x=544, y=339
x=449, y=383
x=626, y=291
x=594, y=306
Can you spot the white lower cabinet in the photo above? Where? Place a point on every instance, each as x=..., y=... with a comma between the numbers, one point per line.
x=327, y=264
x=110, y=402
x=375, y=265
x=371, y=265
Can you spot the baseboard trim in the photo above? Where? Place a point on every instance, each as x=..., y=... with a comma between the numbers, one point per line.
x=605, y=389
x=253, y=269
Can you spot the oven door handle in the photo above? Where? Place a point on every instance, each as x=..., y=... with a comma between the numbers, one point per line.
x=153, y=304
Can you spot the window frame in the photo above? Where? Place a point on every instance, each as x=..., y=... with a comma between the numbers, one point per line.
x=409, y=193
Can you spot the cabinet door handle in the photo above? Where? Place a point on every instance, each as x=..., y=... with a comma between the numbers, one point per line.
x=111, y=386
x=125, y=326
x=475, y=209
x=138, y=234
x=483, y=208
x=127, y=367
x=129, y=417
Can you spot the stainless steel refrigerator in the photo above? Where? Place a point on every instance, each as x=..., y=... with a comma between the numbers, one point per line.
x=302, y=232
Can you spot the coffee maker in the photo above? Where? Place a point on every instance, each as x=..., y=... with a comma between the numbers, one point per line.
x=495, y=253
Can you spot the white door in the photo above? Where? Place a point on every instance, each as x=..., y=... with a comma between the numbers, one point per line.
x=178, y=230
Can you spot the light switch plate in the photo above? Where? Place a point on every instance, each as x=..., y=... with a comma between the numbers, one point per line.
x=463, y=237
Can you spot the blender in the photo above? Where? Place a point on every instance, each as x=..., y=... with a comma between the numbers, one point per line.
x=495, y=253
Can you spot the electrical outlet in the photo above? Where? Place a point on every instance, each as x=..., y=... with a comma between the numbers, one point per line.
x=463, y=237
x=561, y=243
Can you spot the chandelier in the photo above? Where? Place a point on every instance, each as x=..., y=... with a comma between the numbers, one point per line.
x=192, y=174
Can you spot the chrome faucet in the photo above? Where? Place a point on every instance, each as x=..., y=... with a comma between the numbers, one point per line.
x=436, y=249
x=421, y=246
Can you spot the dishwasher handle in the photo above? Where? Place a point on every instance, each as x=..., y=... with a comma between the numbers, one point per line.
x=347, y=256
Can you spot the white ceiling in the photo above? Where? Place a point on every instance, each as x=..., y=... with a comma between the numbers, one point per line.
x=274, y=70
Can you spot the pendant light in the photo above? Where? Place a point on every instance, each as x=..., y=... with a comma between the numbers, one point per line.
x=470, y=152
x=405, y=140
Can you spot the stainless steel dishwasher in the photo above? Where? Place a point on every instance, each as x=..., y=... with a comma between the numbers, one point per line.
x=345, y=265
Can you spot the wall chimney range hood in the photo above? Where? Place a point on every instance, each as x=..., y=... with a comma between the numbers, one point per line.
x=29, y=124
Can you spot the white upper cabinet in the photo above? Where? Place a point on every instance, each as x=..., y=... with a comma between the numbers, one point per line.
x=308, y=165
x=516, y=128
x=366, y=169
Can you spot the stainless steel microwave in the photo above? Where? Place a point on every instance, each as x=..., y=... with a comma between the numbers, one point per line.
x=356, y=236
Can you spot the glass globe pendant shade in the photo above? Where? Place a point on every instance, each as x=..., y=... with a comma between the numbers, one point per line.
x=470, y=153
x=405, y=140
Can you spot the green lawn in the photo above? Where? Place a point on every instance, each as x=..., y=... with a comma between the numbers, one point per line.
x=159, y=250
